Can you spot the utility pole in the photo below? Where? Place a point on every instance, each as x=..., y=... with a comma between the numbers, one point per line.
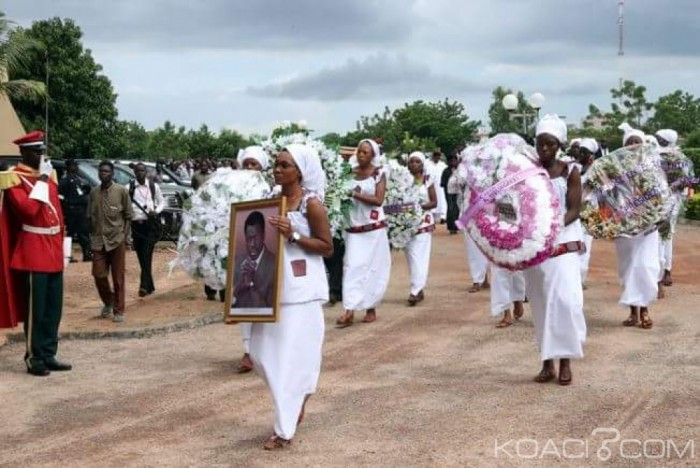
x=621, y=48
x=46, y=105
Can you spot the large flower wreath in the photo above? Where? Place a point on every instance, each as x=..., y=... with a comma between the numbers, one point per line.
x=404, y=214
x=204, y=235
x=626, y=193
x=511, y=210
x=338, y=172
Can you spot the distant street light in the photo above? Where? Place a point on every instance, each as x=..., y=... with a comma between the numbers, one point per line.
x=510, y=103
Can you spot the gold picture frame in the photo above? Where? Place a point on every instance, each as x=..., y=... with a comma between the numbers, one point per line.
x=254, y=270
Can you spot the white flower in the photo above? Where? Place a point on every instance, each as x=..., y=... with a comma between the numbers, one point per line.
x=203, y=240
x=302, y=124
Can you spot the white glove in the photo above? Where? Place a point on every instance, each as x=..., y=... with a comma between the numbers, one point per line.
x=45, y=167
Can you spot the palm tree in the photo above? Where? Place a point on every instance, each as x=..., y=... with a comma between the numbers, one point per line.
x=16, y=53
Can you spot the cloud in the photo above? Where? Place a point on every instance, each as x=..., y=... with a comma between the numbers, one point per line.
x=379, y=76
x=231, y=24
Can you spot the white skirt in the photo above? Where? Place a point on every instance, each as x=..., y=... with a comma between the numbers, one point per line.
x=478, y=263
x=556, y=300
x=441, y=210
x=245, y=332
x=506, y=288
x=665, y=255
x=585, y=257
x=366, y=269
x=418, y=256
x=638, y=268
x=287, y=355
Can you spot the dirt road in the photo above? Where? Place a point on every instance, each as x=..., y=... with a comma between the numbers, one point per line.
x=432, y=385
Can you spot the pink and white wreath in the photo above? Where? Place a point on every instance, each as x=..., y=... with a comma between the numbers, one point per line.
x=510, y=208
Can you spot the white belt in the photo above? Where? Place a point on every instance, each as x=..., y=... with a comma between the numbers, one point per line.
x=44, y=231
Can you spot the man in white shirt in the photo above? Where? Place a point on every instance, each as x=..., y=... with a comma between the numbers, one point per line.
x=147, y=203
x=435, y=167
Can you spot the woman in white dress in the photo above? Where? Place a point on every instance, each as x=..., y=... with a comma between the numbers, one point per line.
x=588, y=148
x=287, y=354
x=367, y=262
x=418, y=249
x=554, y=286
x=638, y=265
x=253, y=158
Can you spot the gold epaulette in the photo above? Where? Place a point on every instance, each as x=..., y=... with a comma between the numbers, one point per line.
x=9, y=179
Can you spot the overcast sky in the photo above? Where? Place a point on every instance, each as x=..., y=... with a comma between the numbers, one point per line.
x=246, y=64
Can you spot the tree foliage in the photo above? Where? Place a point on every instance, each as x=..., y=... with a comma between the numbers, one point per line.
x=677, y=110
x=17, y=52
x=82, y=110
x=419, y=125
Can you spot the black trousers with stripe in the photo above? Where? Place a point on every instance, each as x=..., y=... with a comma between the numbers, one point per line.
x=43, y=316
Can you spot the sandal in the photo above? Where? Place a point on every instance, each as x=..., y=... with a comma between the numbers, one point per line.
x=246, y=365
x=369, y=317
x=631, y=321
x=565, y=382
x=345, y=320
x=412, y=300
x=504, y=323
x=645, y=322
x=476, y=287
x=661, y=294
x=420, y=296
x=545, y=376
x=667, y=280
x=276, y=442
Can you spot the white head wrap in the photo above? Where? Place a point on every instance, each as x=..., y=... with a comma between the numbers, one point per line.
x=630, y=132
x=553, y=125
x=417, y=154
x=254, y=152
x=575, y=141
x=590, y=144
x=669, y=135
x=309, y=163
x=376, y=160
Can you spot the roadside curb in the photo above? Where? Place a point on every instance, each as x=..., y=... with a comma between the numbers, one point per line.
x=134, y=333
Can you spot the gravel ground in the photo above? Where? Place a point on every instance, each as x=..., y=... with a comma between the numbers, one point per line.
x=432, y=385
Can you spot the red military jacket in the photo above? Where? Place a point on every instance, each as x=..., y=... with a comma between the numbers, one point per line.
x=28, y=242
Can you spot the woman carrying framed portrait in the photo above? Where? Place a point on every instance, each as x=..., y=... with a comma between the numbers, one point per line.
x=287, y=354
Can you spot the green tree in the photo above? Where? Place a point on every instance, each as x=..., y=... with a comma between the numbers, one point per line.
x=228, y=143
x=445, y=123
x=167, y=142
x=130, y=141
x=332, y=139
x=82, y=110
x=201, y=142
x=500, y=120
x=677, y=110
x=17, y=52
x=442, y=124
x=629, y=105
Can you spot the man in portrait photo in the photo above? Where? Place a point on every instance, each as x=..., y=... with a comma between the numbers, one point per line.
x=255, y=268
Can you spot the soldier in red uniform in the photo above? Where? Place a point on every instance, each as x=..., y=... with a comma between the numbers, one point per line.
x=31, y=255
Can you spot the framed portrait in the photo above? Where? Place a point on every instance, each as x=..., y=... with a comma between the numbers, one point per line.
x=255, y=262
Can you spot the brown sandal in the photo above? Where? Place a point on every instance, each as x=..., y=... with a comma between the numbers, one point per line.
x=645, y=322
x=246, y=365
x=544, y=376
x=412, y=300
x=504, y=323
x=276, y=442
x=631, y=321
x=369, y=317
x=565, y=382
x=420, y=296
x=345, y=320
x=476, y=287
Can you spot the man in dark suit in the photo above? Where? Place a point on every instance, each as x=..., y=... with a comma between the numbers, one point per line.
x=255, y=271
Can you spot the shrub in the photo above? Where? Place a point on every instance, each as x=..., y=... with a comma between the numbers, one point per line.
x=692, y=207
